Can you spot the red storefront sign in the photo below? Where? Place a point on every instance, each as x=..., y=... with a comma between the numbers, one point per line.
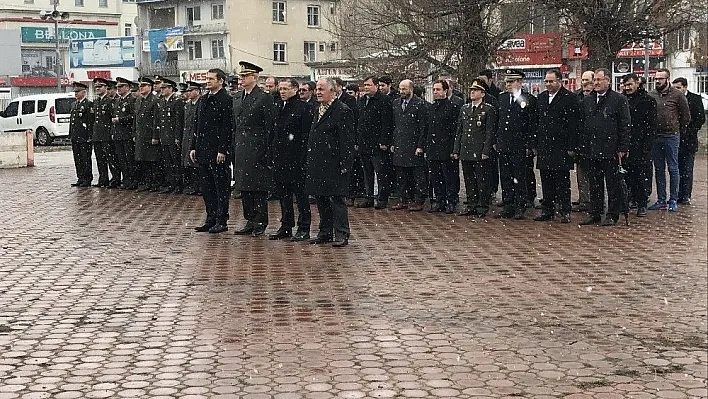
x=98, y=74
x=37, y=81
x=531, y=49
x=636, y=50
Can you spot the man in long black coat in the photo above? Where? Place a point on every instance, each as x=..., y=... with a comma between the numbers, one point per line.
x=642, y=109
x=604, y=139
x=688, y=145
x=80, y=131
x=356, y=182
x=440, y=140
x=210, y=150
x=515, y=128
x=373, y=133
x=555, y=141
x=292, y=128
x=254, y=117
x=147, y=148
x=192, y=97
x=330, y=155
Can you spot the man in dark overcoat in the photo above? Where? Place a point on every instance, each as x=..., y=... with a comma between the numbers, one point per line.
x=444, y=170
x=102, y=137
x=171, y=127
x=192, y=96
x=210, y=148
x=292, y=128
x=147, y=148
x=80, y=131
x=330, y=155
x=688, y=145
x=124, y=122
x=555, y=141
x=254, y=117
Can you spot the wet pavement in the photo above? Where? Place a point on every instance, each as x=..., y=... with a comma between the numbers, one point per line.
x=110, y=294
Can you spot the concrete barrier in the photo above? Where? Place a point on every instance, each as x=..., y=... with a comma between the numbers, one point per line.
x=13, y=150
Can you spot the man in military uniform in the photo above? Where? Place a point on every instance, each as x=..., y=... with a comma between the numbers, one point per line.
x=517, y=114
x=80, y=130
x=254, y=116
x=170, y=127
x=124, y=121
x=189, y=167
x=102, y=133
x=147, y=150
x=473, y=145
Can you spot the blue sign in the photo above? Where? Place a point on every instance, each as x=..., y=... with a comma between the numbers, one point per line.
x=164, y=40
x=103, y=52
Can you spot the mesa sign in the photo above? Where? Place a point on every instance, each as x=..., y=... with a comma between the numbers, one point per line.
x=32, y=34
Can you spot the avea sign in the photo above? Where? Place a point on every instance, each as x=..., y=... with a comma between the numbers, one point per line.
x=46, y=35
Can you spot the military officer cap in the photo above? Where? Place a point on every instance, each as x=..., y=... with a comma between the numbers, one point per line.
x=191, y=85
x=247, y=68
x=134, y=87
x=111, y=84
x=158, y=79
x=145, y=81
x=386, y=79
x=123, y=81
x=100, y=81
x=181, y=87
x=169, y=83
x=478, y=84
x=513, y=74
x=78, y=86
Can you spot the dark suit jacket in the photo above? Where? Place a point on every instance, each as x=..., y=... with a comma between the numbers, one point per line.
x=642, y=111
x=254, y=118
x=556, y=130
x=145, y=128
x=330, y=151
x=515, y=127
x=475, y=132
x=102, y=125
x=375, y=123
x=606, y=126
x=689, y=139
x=442, y=127
x=213, y=127
x=292, y=129
x=409, y=132
x=81, y=121
x=124, y=110
x=170, y=120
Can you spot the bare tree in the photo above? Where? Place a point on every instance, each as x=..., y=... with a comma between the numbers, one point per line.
x=420, y=38
x=605, y=26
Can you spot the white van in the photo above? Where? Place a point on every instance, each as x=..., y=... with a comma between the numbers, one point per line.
x=46, y=114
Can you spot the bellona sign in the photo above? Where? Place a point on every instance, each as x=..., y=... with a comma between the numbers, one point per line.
x=31, y=34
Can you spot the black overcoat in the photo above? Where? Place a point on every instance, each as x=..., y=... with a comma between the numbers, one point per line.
x=81, y=121
x=409, y=132
x=124, y=110
x=375, y=123
x=606, y=126
x=254, y=119
x=145, y=122
x=213, y=127
x=292, y=129
x=645, y=122
x=556, y=130
x=190, y=120
x=442, y=127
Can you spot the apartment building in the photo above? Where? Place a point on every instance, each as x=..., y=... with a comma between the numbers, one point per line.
x=280, y=36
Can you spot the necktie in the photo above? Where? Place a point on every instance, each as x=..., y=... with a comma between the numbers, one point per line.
x=404, y=105
x=244, y=95
x=322, y=110
x=367, y=101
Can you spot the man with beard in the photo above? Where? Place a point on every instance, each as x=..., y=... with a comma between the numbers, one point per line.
x=689, y=141
x=80, y=130
x=642, y=110
x=410, y=124
x=555, y=141
x=373, y=136
x=254, y=115
x=444, y=170
x=124, y=121
x=515, y=129
x=210, y=151
x=292, y=127
x=147, y=149
x=330, y=155
x=604, y=140
x=191, y=104
x=674, y=117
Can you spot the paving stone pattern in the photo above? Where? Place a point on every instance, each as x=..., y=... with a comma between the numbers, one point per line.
x=110, y=294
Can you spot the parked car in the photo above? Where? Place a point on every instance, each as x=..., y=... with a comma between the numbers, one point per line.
x=46, y=114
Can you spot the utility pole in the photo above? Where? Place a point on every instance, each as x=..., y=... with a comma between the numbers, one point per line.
x=55, y=15
x=646, y=60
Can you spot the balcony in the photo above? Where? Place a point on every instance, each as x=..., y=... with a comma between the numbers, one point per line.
x=205, y=29
x=202, y=65
x=168, y=68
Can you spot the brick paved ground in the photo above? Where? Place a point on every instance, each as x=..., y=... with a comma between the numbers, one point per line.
x=109, y=293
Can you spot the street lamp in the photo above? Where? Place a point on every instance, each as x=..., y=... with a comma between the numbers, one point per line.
x=55, y=16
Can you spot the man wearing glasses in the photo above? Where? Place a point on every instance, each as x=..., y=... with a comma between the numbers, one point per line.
x=306, y=92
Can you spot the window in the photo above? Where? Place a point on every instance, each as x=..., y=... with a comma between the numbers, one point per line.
x=683, y=38
x=217, y=49
x=41, y=105
x=63, y=105
x=28, y=107
x=310, y=51
x=217, y=11
x=701, y=84
x=29, y=1
x=322, y=46
x=193, y=14
x=313, y=15
x=11, y=109
x=279, y=52
x=79, y=3
x=279, y=11
x=333, y=47
x=194, y=49
x=103, y=3
x=128, y=30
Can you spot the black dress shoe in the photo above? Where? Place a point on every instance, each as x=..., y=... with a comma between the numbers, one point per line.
x=154, y=189
x=143, y=189
x=481, y=214
x=450, y=209
x=380, y=205
x=437, y=208
x=518, y=215
x=204, y=228
x=465, y=212
x=247, y=229
x=85, y=184
x=114, y=184
x=565, y=217
x=592, y=219
x=543, y=217
x=133, y=186
x=218, y=228
x=301, y=236
x=641, y=211
x=610, y=221
x=280, y=234
x=321, y=240
x=258, y=231
x=166, y=190
x=77, y=184
x=101, y=184
x=342, y=242
x=365, y=204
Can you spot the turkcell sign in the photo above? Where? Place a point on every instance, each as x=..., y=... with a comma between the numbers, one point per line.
x=31, y=34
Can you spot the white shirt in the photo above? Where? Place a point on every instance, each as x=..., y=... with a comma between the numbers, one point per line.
x=551, y=96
